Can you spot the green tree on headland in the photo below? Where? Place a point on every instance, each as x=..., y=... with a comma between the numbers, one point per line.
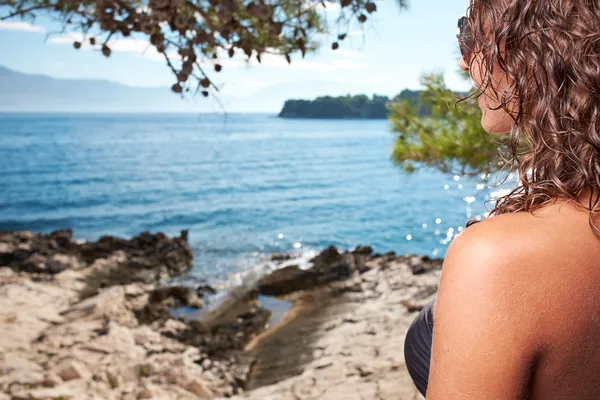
x=194, y=35
x=355, y=107
x=360, y=106
x=450, y=139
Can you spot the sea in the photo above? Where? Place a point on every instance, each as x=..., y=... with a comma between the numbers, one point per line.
x=244, y=185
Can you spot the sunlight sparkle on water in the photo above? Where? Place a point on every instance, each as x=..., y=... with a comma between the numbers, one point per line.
x=456, y=178
x=408, y=237
x=424, y=226
x=499, y=193
x=438, y=221
x=297, y=245
x=460, y=186
x=446, y=187
x=480, y=186
x=469, y=199
x=280, y=236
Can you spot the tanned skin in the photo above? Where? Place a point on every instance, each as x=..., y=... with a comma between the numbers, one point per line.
x=518, y=310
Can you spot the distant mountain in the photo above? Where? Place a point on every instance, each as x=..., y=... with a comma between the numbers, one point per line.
x=38, y=93
x=21, y=92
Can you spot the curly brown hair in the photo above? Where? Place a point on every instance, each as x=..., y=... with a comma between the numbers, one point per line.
x=549, y=52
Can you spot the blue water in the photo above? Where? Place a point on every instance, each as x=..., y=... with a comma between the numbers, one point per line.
x=244, y=185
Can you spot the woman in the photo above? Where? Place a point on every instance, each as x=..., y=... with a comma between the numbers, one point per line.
x=517, y=315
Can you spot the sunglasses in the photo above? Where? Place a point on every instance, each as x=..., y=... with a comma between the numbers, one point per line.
x=465, y=40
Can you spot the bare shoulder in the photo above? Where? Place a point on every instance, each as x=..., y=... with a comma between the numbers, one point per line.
x=521, y=243
x=513, y=261
x=494, y=261
x=484, y=312
x=505, y=245
x=509, y=287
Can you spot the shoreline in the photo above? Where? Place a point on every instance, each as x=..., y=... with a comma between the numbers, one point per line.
x=93, y=320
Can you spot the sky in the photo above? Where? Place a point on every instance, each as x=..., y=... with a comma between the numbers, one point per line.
x=395, y=48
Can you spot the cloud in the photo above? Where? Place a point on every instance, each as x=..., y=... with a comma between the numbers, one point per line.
x=356, y=32
x=136, y=46
x=69, y=38
x=348, y=64
x=326, y=6
x=348, y=60
x=276, y=61
x=345, y=53
x=20, y=26
x=329, y=6
x=327, y=37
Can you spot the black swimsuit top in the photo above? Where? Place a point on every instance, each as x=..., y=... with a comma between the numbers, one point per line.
x=417, y=347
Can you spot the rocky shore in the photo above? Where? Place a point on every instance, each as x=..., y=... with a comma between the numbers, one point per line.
x=94, y=320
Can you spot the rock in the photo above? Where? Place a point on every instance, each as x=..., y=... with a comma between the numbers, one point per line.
x=144, y=250
x=178, y=295
x=422, y=264
x=52, y=380
x=35, y=263
x=72, y=332
x=364, y=250
x=119, y=341
x=329, y=266
x=146, y=257
x=173, y=327
x=327, y=257
x=280, y=257
x=137, y=289
x=44, y=394
x=6, y=273
x=149, y=258
x=162, y=299
x=62, y=262
x=364, y=370
x=145, y=334
x=184, y=235
x=23, y=377
x=201, y=290
x=414, y=305
x=286, y=280
x=110, y=302
x=114, y=379
x=145, y=392
x=72, y=369
x=197, y=387
x=417, y=264
x=323, y=363
x=171, y=376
